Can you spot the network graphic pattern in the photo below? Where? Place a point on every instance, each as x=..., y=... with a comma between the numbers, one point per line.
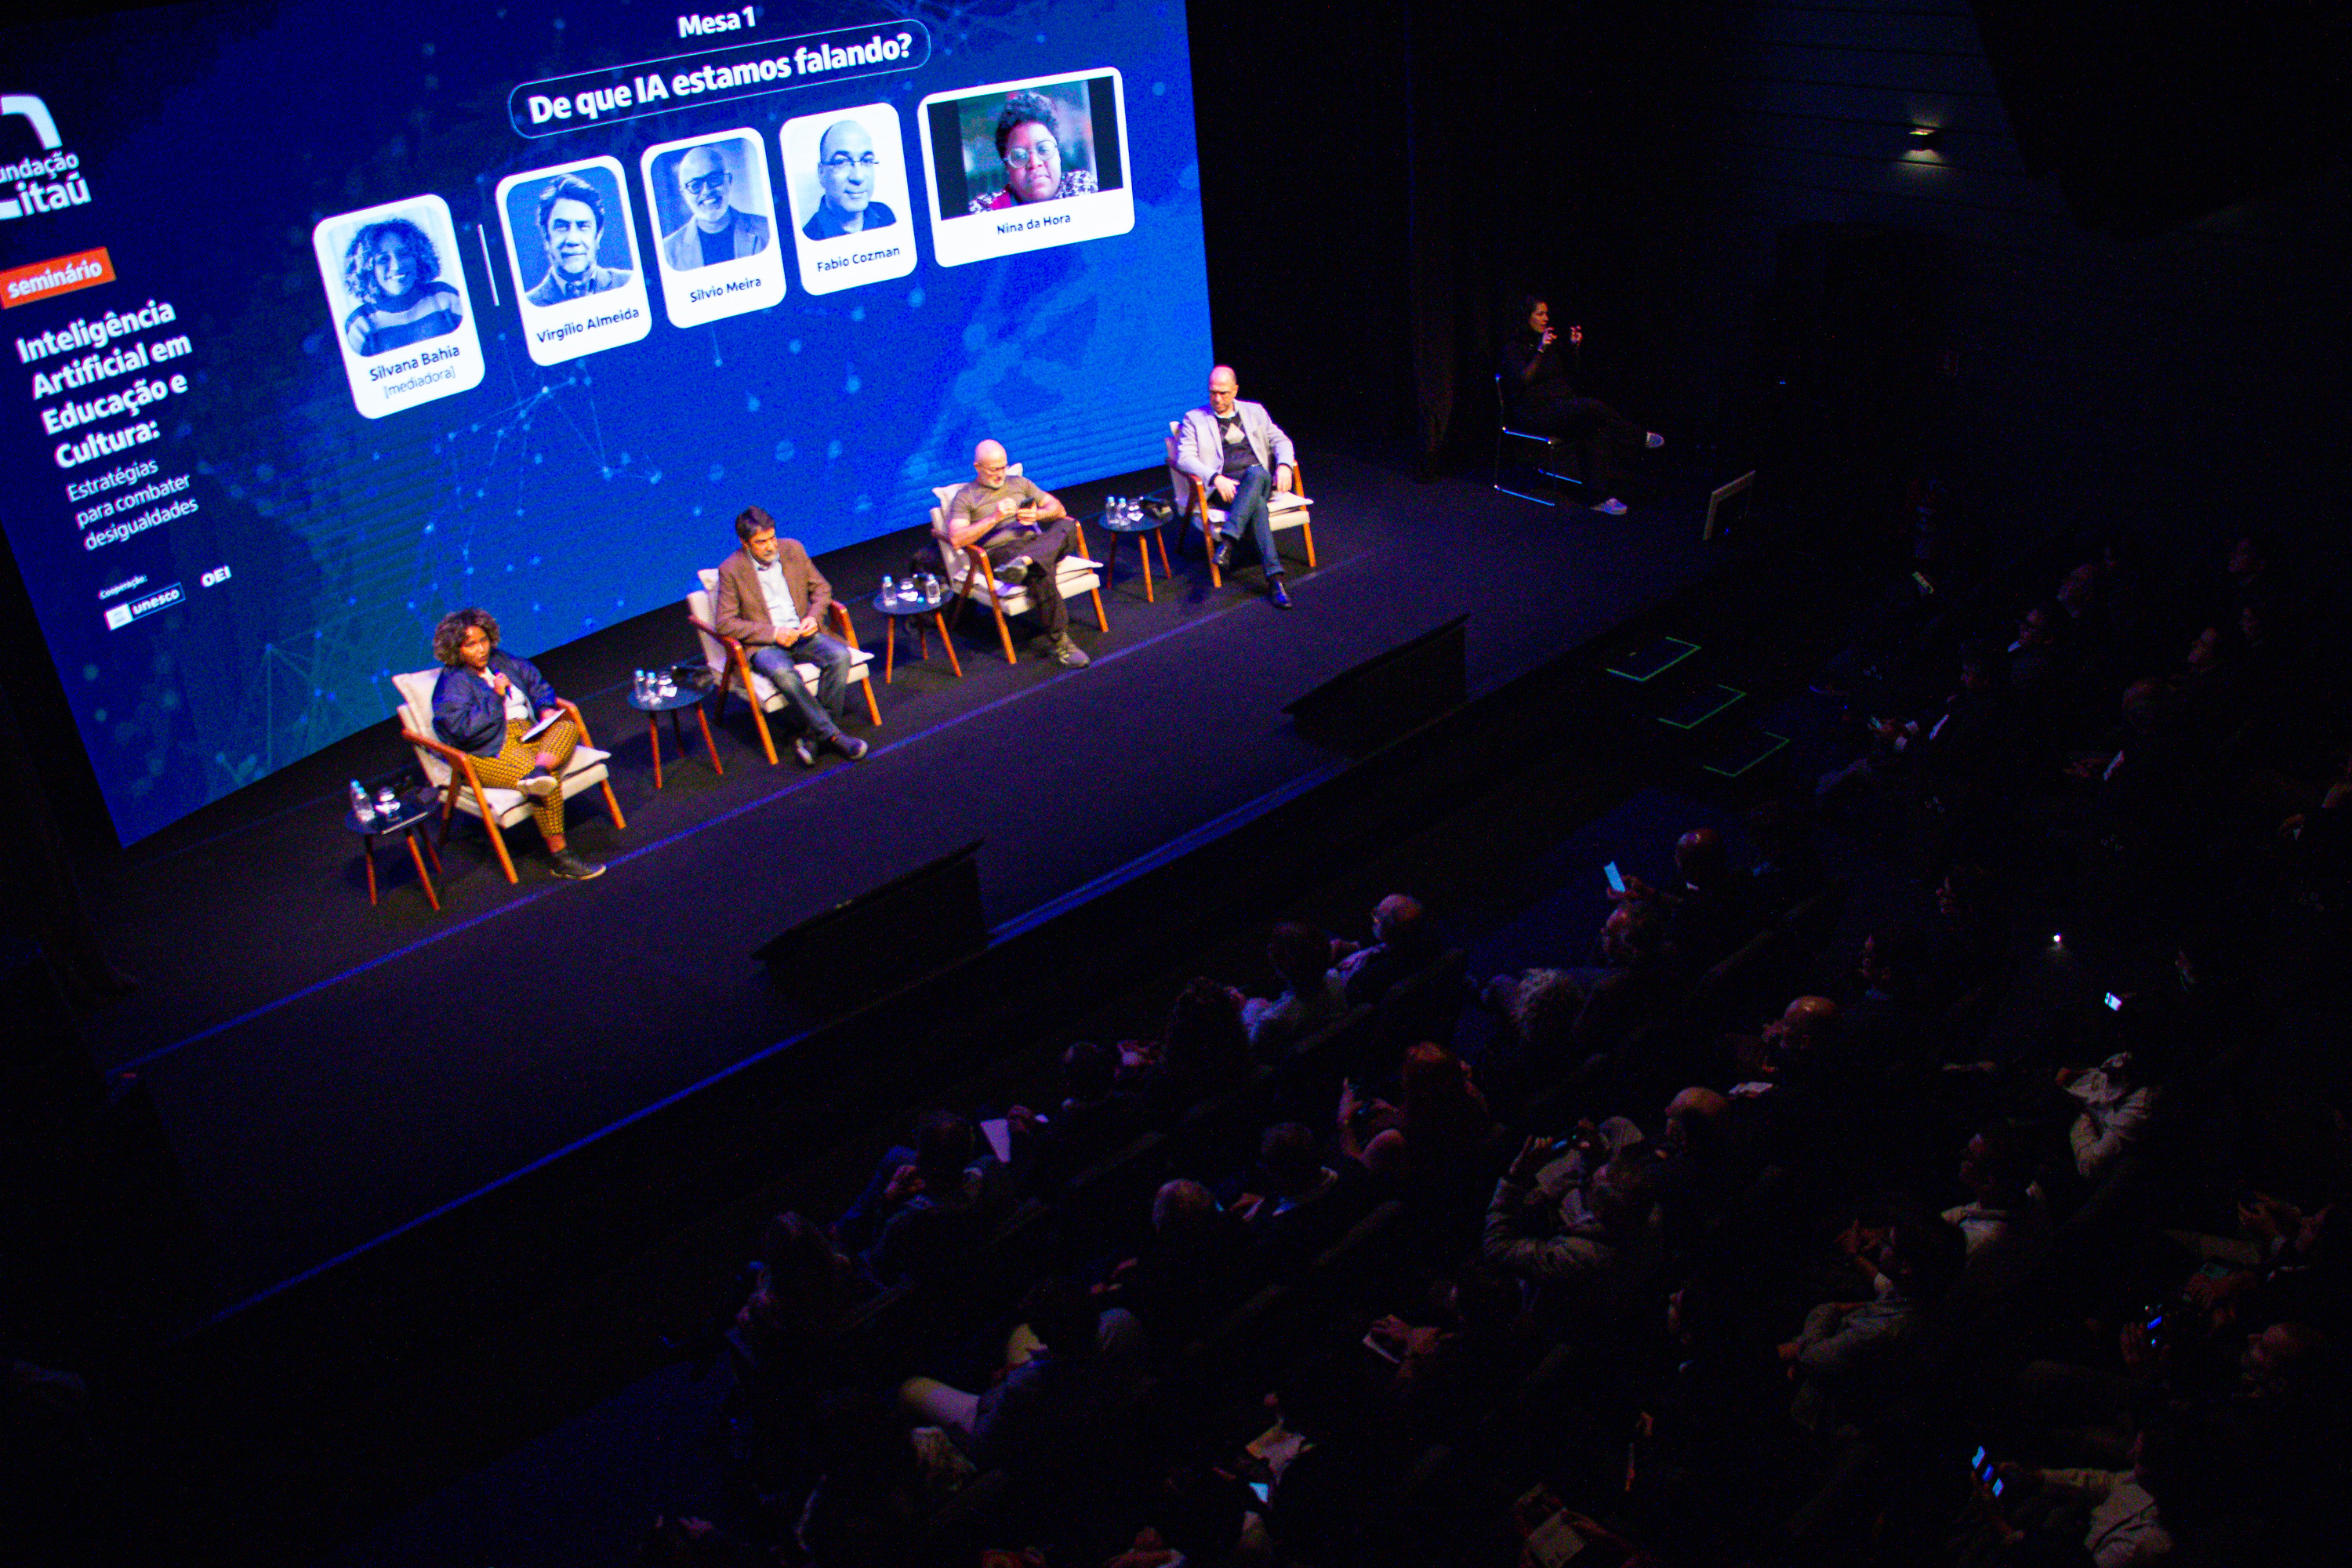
x=567, y=498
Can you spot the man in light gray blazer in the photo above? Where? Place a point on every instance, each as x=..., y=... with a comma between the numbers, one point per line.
x=1239, y=455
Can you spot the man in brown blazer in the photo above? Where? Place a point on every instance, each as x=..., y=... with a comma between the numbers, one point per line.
x=773, y=600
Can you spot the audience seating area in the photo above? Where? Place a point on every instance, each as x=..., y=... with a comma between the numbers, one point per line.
x=1938, y=1164
x=2007, y=1237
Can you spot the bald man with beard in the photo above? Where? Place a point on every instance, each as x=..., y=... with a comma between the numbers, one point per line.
x=1024, y=533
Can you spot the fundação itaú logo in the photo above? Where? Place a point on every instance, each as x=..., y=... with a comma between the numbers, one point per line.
x=43, y=183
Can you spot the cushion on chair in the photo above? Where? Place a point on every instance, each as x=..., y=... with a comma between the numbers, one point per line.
x=701, y=605
x=770, y=699
x=1077, y=575
x=584, y=772
x=1284, y=510
x=587, y=770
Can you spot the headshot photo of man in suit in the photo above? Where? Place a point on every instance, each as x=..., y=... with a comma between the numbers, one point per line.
x=847, y=168
x=572, y=223
x=719, y=230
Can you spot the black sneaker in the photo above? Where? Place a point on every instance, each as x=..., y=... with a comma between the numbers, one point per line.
x=1224, y=555
x=572, y=869
x=849, y=746
x=538, y=784
x=804, y=751
x=1277, y=592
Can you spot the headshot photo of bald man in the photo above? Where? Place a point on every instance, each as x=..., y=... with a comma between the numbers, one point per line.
x=710, y=180
x=848, y=168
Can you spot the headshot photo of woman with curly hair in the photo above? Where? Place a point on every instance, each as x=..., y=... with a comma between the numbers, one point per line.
x=1030, y=145
x=392, y=269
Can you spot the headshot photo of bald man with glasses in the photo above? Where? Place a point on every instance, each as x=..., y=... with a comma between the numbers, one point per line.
x=721, y=250
x=848, y=169
x=717, y=230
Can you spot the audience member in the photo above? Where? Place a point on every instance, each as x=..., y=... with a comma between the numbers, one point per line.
x=1094, y=1117
x=1404, y=943
x=922, y=1217
x=1305, y=1204
x=1450, y=1371
x=1067, y=1367
x=1706, y=916
x=2119, y=1100
x=1581, y=1215
x=1203, y=1048
x=1443, y=1126
x=1313, y=994
x=1191, y=1268
x=1848, y=1363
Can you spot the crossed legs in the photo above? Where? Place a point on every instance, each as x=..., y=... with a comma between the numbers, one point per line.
x=1248, y=512
x=551, y=753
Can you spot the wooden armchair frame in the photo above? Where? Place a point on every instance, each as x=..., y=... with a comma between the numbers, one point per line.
x=978, y=570
x=463, y=777
x=739, y=675
x=1198, y=510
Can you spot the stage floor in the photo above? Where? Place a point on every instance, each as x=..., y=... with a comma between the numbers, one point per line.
x=329, y=1072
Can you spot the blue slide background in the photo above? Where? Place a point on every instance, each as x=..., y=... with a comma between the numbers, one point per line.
x=562, y=499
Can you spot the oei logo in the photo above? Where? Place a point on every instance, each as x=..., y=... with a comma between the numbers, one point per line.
x=44, y=183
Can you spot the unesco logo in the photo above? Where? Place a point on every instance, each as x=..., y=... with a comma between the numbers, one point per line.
x=44, y=183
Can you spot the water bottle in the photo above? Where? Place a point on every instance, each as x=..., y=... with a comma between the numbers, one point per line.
x=360, y=807
x=889, y=589
x=637, y=684
x=931, y=586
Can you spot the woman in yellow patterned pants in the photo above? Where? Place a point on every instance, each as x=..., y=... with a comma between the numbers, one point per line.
x=484, y=704
x=550, y=754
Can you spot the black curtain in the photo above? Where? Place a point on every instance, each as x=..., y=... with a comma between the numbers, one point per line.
x=1379, y=179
